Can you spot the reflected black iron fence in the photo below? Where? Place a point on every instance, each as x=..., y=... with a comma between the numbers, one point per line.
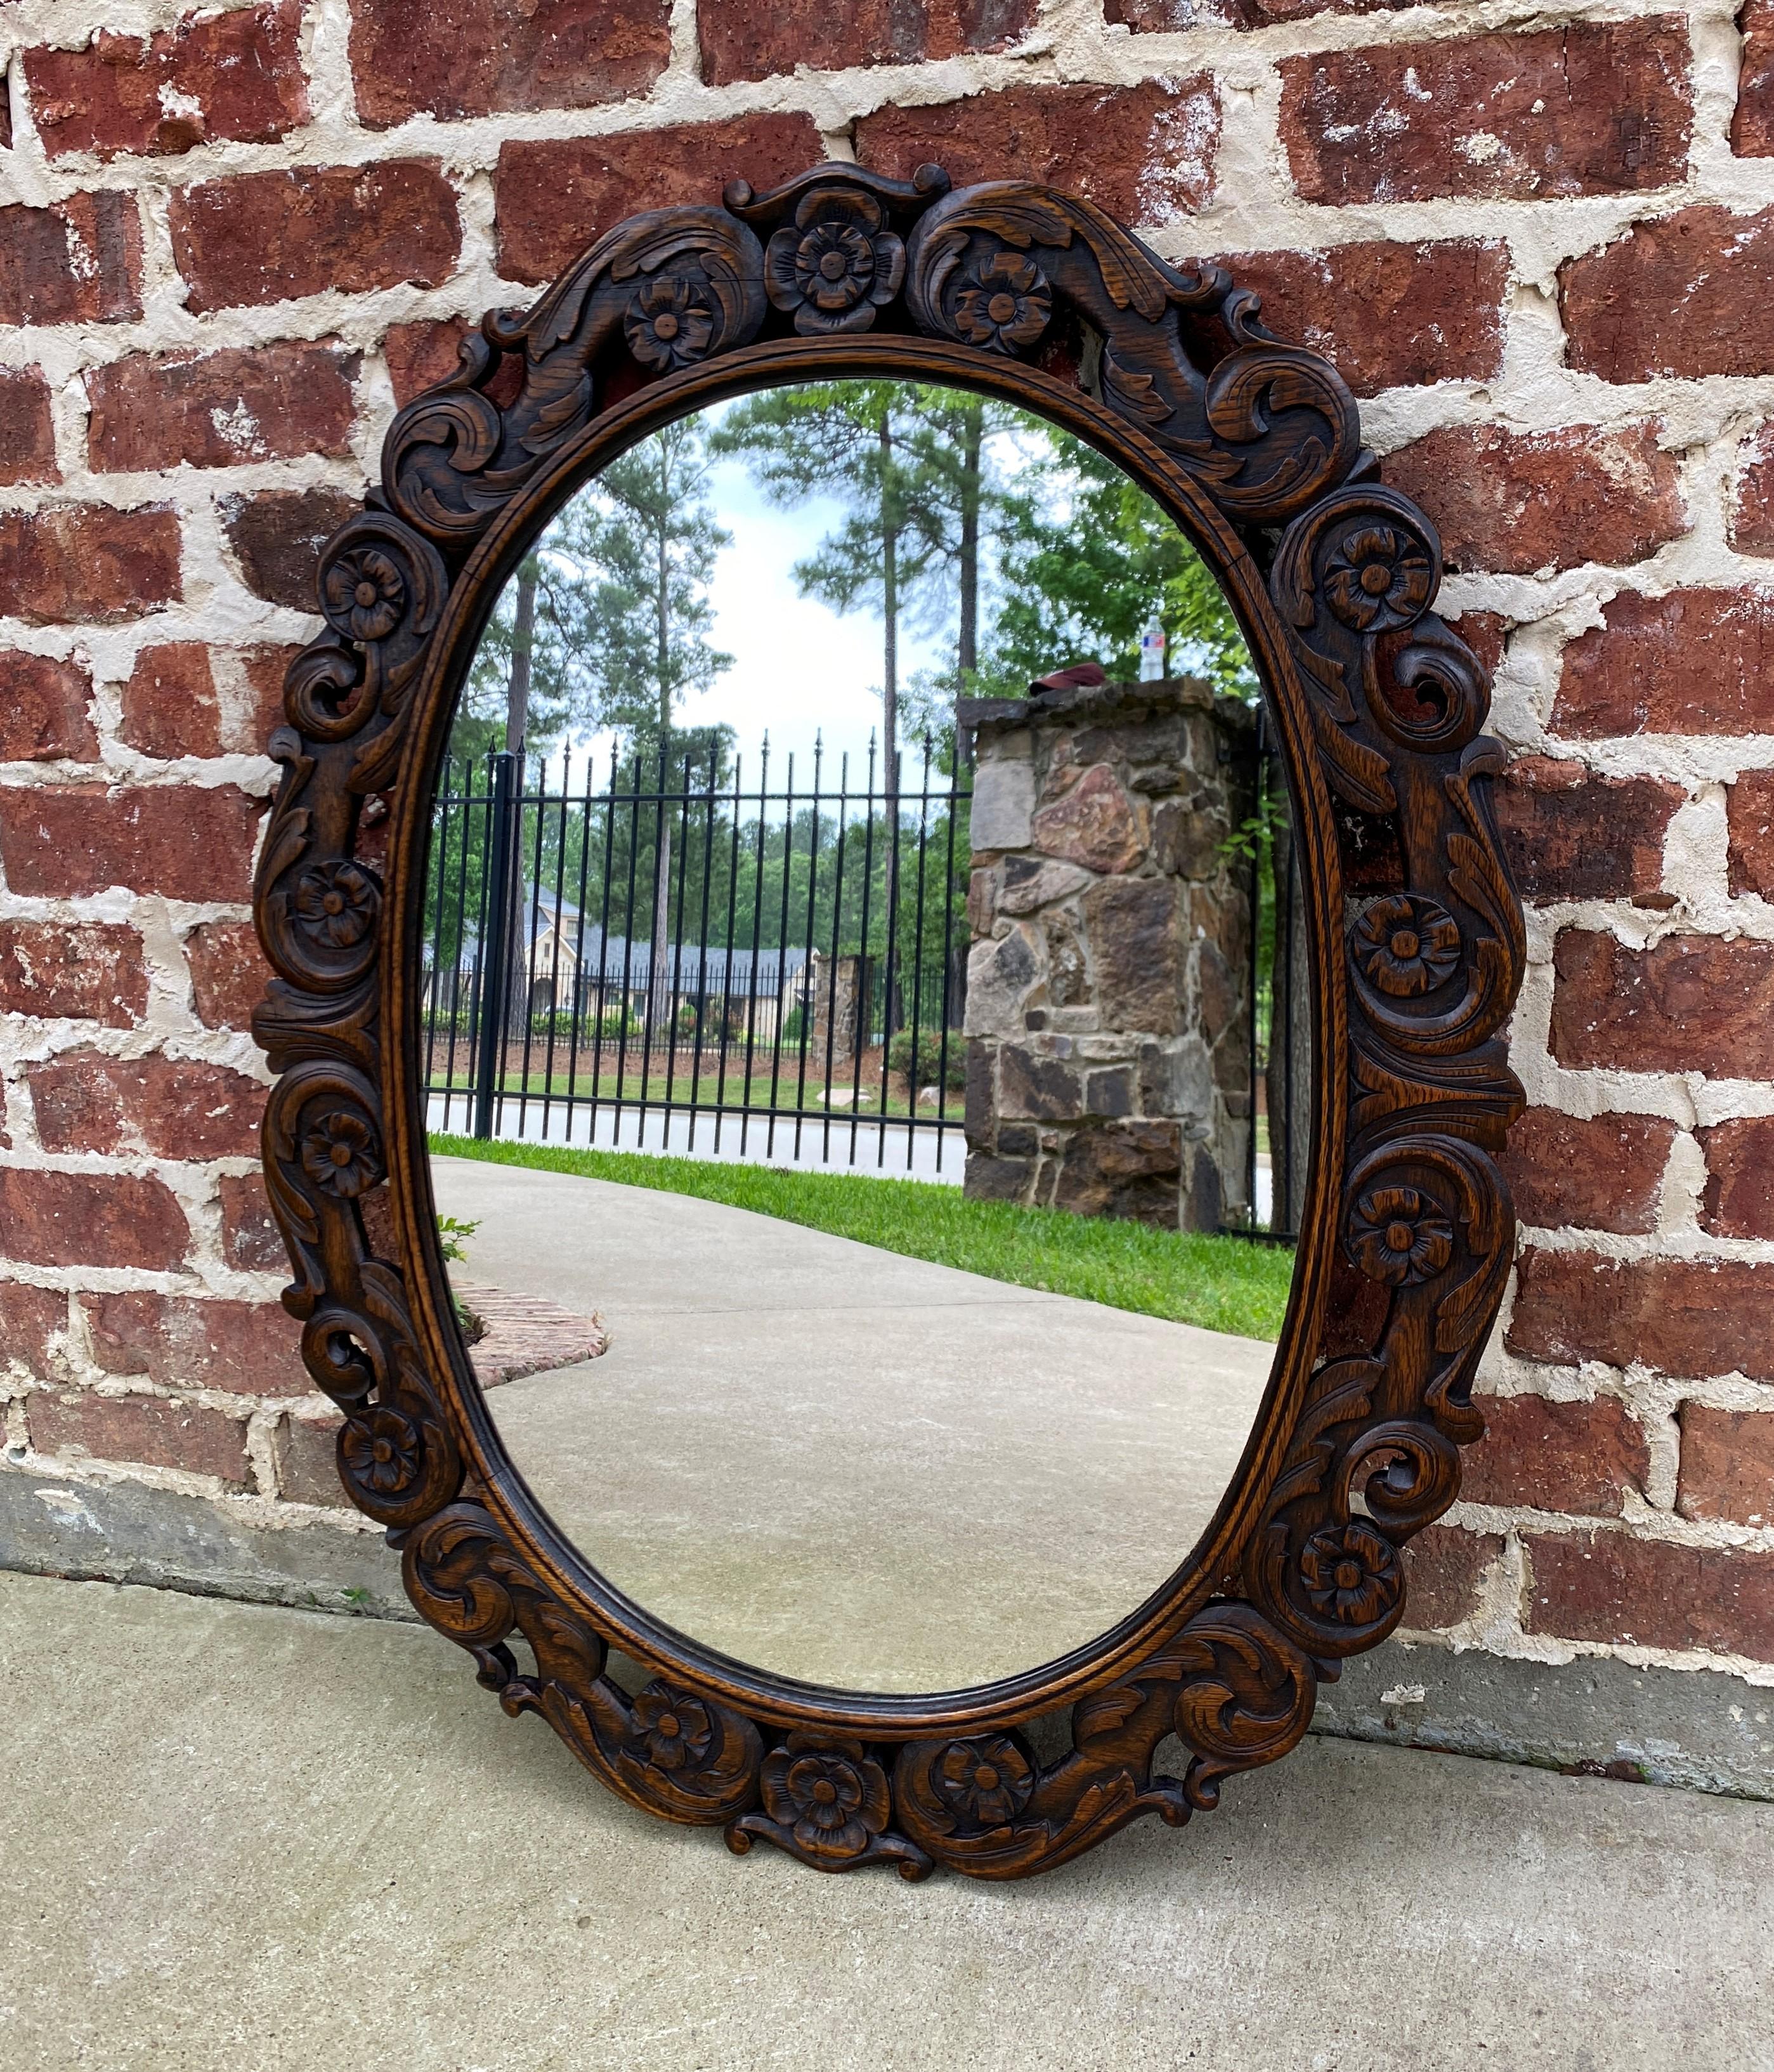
x=667, y=953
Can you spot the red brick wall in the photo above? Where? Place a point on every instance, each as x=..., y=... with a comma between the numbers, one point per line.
x=230, y=242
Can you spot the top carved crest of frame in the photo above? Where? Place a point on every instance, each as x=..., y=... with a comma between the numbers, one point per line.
x=1416, y=940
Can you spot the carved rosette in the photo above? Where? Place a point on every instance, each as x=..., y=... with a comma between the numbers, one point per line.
x=1431, y=951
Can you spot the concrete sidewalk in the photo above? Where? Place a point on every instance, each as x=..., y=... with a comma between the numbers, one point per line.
x=241, y=1839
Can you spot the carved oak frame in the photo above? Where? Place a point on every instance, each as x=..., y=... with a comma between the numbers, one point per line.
x=1416, y=943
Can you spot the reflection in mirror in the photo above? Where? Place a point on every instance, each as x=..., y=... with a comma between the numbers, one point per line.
x=866, y=1033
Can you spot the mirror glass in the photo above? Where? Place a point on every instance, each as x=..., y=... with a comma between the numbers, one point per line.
x=867, y=1094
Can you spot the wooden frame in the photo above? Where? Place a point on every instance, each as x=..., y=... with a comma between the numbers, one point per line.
x=1416, y=942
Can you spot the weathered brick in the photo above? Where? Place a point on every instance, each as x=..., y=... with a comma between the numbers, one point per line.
x=42, y=709
x=228, y=972
x=250, y=1238
x=1689, y=1004
x=1738, y=1201
x=1583, y=109
x=77, y=262
x=494, y=57
x=754, y=40
x=1445, y=1574
x=422, y=354
x=1166, y=141
x=263, y=671
x=27, y=437
x=1727, y=1468
x=269, y=237
x=1601, y=1172
x=1486, y=633
x=555, y=198
x=30, y=1318
x=1578, y=1458
x=1683, y=294
x=184, y=842
x=1752, y=123
x=1695, y=661
x=1516, y=502
x=93, y=973
x=1572, y=835
x=169, y=1108
x=1607, y=1586
x=277, y=536
x=1388, y=316
x=1694, y=1317
x=1752, y=497
x=236, y=75
x=169, y=706
x=87, y=563
x=221, y=409
x=307, y=1450
x=1749, y=814
x=153, y=1431
x=247, y=1348
x=90, y=1219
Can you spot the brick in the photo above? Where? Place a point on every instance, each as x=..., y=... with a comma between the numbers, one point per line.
x=269, y=237
x=43, y=710
x=250, y=1238
x=210, y=76
x=1569, y=834
x=90, y=1219
x=1696, y=661
x=1576, y=1457
x=169, y=1108
x=1169, y=17
x=1514, y=503
x=77, y=262
x=152, y=1431
x=754, y=40
x=228, y=972
x=27, y=438
x=553, y=199
x=1689, y=1004
x=493, y=57
x=1752, y=499
x=307, y=1450
x=1388, y=316
x=1752, y=123
x=87, y=563
x=1606, y=1586
x=247, y=1348
x=1726, y=1466
x=1684, y=294
x=1695, y=1318
x=1166, y=137
x=277, y=534
x=1749, y=814
x=221, y=409
x=420, y=354
x=1581, y=110
x=170, y=707
x=180, y=841
x=1486, y=633
x=263, y=671
x=1603, y=1172
x=91, y=973
x=29, y=1319
x=1738, y=1201
x=1444, y=1572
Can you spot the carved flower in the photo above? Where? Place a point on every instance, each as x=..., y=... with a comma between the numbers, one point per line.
x=834, y=1799
x=1004, y=304
x=985, y=1783
x=366, y=592
x=669, y=324
x=1406, y=946
x=836, y=266
x=1351, y=1573
x=1399, y=1235
x=339, y=1154
x=335, y=903
x=673, y=1728
x=1378, y=579
x=380, y=1449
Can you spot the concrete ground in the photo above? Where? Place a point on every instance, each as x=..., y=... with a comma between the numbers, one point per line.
x=846, y=1466
x=242, y=1839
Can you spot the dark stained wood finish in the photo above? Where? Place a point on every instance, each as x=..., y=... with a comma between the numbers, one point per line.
x=1253, y=446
